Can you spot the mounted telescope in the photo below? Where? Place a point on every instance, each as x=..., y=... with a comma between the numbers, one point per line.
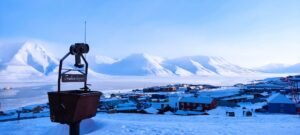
x=78, y=49
x=72, y=106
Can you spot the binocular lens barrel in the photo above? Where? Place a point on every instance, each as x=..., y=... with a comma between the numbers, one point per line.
x=79, y=48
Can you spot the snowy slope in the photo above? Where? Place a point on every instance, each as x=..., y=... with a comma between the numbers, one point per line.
x=182, y=72
x=205, y=65
x=96, y=62
x=201, y=69
x=195, y=65
x=280, y=68
x=135, y=65
x=223, y=67
x=27, y=56
x=27, y=61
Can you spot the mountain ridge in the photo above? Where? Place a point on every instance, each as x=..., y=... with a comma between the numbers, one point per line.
x=34, y=57
x=280, y=68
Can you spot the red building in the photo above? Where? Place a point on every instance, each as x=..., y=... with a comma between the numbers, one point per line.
x=197, y=103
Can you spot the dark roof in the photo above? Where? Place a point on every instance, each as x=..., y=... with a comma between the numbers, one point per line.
x=199, y=99
x=279, y=98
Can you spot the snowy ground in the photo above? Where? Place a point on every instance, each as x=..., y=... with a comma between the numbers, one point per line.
x=138, y=124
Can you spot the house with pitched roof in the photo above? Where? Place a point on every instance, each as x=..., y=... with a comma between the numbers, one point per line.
x=279, y=103
x=197, y=103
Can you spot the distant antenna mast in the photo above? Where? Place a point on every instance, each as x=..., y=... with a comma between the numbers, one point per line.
x=84, y=31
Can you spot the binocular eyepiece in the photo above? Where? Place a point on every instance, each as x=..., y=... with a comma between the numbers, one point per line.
x=78, y=49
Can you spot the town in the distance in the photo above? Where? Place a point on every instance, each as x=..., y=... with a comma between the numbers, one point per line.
x=272, y=95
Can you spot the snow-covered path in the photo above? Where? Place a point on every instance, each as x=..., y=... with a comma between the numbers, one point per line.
x=139, y=124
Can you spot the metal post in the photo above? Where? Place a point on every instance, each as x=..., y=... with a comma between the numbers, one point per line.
x=86, y=72
x=74, y=128
x=59, y=70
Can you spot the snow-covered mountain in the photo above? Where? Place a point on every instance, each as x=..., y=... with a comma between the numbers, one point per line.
x=135, y=64
x=96, y=61
x=204, y=65
x=280, y=68
x=25, y=59
x=30, y=58
x=144, y=64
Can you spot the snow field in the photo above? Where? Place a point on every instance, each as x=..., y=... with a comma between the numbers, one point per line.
x=138, y=124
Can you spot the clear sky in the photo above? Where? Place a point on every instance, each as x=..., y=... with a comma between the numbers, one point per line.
x=246, y=32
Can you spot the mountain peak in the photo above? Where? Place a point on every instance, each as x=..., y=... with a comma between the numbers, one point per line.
x=145, y=56
x=138, y=64
x=31, y=45
x=34, y=55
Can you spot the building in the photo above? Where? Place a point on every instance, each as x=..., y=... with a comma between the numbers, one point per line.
x=261, y=95
x=234, y=100
x=127, y=107
x=168, y=88
x=197, y=103
x=279, y=103
x=263, y=87
x=207, y=86
x=159, y=101
x=110, y=103
x=152, y=89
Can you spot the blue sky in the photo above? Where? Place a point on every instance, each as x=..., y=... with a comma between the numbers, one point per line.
x=246, y=32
